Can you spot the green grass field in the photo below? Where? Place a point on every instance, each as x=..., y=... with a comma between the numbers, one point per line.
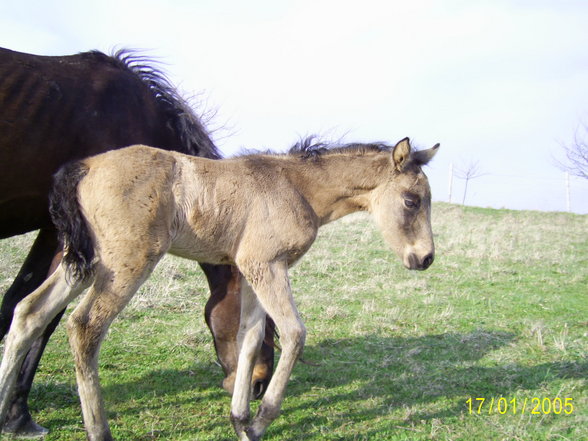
x=501, y=316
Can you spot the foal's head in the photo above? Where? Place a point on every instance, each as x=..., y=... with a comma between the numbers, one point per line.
x=401, y=206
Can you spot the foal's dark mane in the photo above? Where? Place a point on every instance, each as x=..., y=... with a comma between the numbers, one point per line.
x=181, y=119
x=311, y=148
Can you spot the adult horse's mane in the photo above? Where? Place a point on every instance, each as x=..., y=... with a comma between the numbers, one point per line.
x=181, y=117
x=56, y=110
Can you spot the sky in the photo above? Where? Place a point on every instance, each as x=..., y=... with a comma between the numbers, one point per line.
x=502, y=84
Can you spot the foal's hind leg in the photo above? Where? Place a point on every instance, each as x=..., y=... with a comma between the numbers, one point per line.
x=31, y=317
x=87, y=327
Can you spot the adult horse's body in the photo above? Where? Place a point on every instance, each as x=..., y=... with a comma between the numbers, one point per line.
x=57, y=109
x=259, y=212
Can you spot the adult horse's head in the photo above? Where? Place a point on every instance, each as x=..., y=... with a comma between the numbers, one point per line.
x=401, y=206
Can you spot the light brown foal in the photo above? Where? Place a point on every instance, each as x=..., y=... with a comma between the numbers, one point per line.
x=121, y=211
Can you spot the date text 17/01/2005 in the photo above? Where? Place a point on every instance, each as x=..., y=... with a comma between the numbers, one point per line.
x=514, y=406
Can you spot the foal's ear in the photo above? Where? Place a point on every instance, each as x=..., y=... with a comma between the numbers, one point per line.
x=401, y=154
x=422, y=157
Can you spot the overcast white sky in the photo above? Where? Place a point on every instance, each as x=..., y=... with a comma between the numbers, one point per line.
x=501, y=82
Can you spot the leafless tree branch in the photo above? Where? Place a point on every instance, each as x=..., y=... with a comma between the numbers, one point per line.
x=576, y=162
x=470, y=171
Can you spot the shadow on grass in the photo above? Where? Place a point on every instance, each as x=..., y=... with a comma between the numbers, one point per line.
x=158, y=393
x=394, y=372
x=412, y=372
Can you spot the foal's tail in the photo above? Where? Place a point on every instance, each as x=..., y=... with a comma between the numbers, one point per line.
x=70, y=222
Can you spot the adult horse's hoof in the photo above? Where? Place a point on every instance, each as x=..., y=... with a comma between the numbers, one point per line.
x=20, y=429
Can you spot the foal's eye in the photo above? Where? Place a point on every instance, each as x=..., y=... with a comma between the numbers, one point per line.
x=410, y=203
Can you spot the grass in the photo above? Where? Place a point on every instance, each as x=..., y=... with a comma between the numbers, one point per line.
x=393, y=354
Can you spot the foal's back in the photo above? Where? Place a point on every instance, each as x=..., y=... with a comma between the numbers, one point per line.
x=205, y=210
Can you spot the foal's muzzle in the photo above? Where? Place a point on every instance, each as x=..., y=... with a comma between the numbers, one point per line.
x=420, y=264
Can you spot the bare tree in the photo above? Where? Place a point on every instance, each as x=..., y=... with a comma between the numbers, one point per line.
x=467, y=172
x=576, y=162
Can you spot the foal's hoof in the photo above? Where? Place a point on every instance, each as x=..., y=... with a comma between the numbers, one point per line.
x=23, y=430
x=243, y=429
x=248, y=435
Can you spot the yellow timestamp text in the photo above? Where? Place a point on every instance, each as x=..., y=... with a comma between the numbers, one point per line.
x=514, y=406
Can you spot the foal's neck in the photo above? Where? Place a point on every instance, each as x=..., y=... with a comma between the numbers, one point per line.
x=339, y=184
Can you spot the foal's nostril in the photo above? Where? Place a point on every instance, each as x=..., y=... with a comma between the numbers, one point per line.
x=413, y=261
x=428, y=260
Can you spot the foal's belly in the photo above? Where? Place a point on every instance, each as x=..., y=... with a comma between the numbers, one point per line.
x=200, y=251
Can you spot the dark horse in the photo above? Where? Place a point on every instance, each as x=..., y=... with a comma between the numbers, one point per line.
x=54, y=110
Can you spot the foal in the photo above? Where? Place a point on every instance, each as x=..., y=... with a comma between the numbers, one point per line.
x=121, y=211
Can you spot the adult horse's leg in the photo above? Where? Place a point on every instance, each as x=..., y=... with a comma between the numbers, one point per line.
x=222, y=317
x=19, y=420
x=32, y=273
x=41, y=261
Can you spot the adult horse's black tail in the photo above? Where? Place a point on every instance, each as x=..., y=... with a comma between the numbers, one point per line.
x=70, y=222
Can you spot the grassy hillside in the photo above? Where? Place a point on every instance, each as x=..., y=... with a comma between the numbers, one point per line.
x=501, y=316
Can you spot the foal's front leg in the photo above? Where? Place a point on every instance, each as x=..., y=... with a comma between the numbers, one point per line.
x=272, y=288
x=249, y=339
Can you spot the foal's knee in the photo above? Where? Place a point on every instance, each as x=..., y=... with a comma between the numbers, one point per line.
x=294, y=336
